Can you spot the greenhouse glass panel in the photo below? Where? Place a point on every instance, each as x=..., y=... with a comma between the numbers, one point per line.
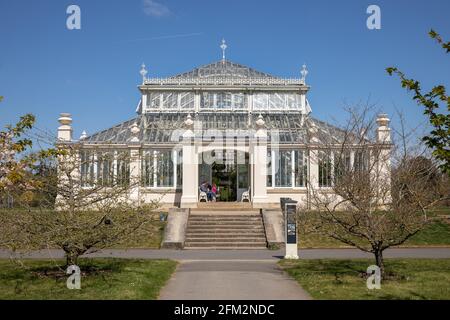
x=239, y=101
x=105, y=171
x=283, y=172
x=170, y=100
x=293, y=101
x=154, y=100
x=164, y=168
x=123, y=168
x=87, y=168
x=276, y=101
x=300, y=169
x=147, y=169
x=260, y=101
x=187, y=100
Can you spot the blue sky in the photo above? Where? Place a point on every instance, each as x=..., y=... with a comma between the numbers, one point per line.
x=93, y=73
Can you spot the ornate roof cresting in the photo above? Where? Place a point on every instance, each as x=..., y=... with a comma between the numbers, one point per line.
x=143, y=73
x=304, y=73
x=224, y=47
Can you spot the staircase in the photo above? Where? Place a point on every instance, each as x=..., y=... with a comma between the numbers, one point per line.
x=221, y=228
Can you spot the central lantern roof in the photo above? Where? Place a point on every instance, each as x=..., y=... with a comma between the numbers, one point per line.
x=224, y=68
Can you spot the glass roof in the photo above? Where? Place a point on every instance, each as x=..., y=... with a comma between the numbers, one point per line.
x=223, y=69
x=166, y=128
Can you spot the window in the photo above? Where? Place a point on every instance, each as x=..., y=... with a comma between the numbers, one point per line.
x=260, y=101
x=170, y=100
x=179, y=167
x=361, y=165
x=187, y=100
x=283, y=170
x=300, y=168
x=239, y=101
x=287, y=168
x=361, y=161
x=105, y=172
x=325, y=178
x=223, y=100
x=164, y=168
x=269, y=168
x=123, y=168
x=277, y=101
x=341, y=164
x=104, y=168
x=293, y=101
x=147, y=169
x=158, y=168
x=87, y=168
x=154, y=100
x=207, y=100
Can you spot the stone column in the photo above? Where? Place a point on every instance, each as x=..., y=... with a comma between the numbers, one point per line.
x=135, y=173
x=189, y=197
x=383, y=168
x=260, y=198
x=134, y=148
x=67, y=162
x=65, y=128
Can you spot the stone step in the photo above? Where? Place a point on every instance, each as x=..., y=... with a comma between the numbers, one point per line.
x=229, y=240
x=224, y=234
x=224, y=213
x=193, y=244
x=227, y=248
x=245, y=221
x=242, y=221
x=229, y=217
x=205, y=206
x=216, y=227
x=225, y=223
x=224, y=231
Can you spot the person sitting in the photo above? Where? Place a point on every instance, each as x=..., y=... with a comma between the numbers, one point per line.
x=204, y=187
x=214, y=192
x=209, y=192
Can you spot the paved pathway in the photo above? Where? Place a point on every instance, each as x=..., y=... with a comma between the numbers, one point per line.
x=438, y=253
x=231, y=280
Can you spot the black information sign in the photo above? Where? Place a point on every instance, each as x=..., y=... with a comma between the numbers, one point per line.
x=291, y=222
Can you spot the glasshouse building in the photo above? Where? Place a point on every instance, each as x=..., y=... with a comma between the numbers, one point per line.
x=249, y=134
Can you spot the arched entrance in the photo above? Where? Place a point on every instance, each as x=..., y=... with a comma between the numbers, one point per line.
x=229, y=170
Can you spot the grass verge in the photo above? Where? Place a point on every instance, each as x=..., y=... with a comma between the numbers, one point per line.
x=437, y=233
x=101, y=279
x=413, y=279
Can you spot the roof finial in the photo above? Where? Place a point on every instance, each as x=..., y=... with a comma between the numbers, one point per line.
x=224, y=47
x=143, y=72
x=304, y=73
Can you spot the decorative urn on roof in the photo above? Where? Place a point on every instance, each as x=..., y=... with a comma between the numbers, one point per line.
x=188, y=122
x=135, y=132
x=260, y=123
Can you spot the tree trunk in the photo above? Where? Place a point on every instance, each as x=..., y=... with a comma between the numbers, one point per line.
x=71, y=258
x=379, y=261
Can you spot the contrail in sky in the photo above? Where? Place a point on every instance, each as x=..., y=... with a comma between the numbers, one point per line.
x=173, y=36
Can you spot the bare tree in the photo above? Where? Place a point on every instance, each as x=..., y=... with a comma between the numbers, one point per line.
x=94, y=208
x=369, y=193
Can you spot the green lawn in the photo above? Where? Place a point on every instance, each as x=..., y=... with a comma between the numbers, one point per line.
x=436, y=233
x=107, y=279
x=342, y=279
x=149, y=236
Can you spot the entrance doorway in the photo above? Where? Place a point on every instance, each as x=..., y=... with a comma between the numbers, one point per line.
x=229, y=171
